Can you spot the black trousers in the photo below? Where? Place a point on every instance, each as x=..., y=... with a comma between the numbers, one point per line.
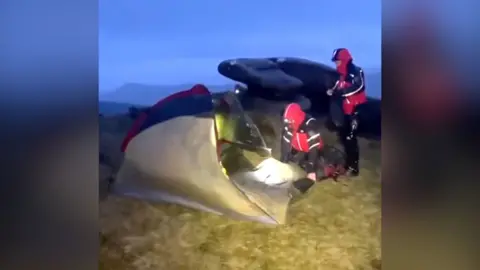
x=348, y=137
x=347, y=126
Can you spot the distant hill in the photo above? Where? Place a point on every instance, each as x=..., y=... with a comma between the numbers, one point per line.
x=144, y=94
x=138, y=95
x=108, y=108
x=374, y=84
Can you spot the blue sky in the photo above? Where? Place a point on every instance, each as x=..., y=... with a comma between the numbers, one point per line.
x=172, y=42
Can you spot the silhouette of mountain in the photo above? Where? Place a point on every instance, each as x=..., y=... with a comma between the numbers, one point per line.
x=108, y=108
x=373, y=83
x=144, y=94
x=370, y=120
x=138, y=95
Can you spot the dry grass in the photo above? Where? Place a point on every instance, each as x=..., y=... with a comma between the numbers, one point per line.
x=336, y=226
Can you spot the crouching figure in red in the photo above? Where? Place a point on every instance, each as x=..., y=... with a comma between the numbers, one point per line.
x=302, y=143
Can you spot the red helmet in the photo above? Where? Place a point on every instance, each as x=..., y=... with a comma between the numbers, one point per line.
x=345, y=58
x=294, y=115
x=341, y=54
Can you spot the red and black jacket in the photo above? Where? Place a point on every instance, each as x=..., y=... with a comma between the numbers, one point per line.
x=351, y=84
x=305, y=139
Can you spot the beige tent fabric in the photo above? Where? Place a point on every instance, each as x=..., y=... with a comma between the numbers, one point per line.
x=176, y=161
x=272, y=199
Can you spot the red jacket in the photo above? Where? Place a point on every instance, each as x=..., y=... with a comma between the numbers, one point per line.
x=300, y=130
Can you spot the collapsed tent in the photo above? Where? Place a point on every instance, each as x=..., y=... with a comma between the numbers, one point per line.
x=206, y=154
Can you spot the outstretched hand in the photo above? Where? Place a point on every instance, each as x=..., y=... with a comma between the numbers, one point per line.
x=330, y=92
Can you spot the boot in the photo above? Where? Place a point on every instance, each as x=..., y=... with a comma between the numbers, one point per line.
x=352, y=170
x=352, y=156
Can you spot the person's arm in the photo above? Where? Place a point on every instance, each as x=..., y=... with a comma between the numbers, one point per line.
x=312, y=127
x=315, y=144
x=358, y=84
x=285, y=144
x=331, y=90
x=312, y=160
x=335, y=86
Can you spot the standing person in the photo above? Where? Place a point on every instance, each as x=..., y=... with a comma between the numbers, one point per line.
x=301, y=138
x=349, y=92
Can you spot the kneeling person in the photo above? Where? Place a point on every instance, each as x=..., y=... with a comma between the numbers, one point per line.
x=301, y=141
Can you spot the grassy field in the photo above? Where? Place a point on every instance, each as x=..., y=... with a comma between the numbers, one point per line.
x=336, y=226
